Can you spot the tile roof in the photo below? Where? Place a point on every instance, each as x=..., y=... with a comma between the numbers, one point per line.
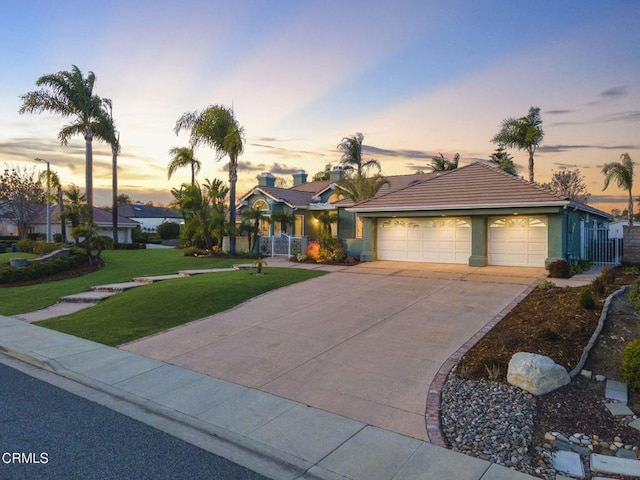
x=100, y=217
x=472, y=186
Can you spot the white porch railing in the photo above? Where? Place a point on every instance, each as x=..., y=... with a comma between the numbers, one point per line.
x=281, y=245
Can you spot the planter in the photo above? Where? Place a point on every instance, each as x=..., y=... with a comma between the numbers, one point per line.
x=18, y=262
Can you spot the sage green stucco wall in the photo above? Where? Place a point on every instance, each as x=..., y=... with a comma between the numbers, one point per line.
x=369, y=232
x=478, y=256
x=556, y=234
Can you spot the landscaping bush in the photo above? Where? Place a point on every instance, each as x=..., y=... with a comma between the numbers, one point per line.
x=598, y=286
x=37, y=270
x=585, y=298
x=608, y=276
x=169, y=230
x=42, y=248
x=631, y=363
x=131, y=246
x=546, y=285
x=313, y=250
x=559, y=269
x=26, y=245
x=634, y=294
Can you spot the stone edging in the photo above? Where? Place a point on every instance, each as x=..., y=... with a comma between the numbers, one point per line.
x=603, y=316
x=432, y=410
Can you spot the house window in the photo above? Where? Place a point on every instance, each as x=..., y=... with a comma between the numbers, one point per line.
x=265, y=225
x=335, y=197
x=358, y=227
x=277, y=229
x=299, y=226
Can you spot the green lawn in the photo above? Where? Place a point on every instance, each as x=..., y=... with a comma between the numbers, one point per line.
x=122, y=266
x=157, y=307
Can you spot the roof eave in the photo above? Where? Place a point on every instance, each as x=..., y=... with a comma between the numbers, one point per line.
x=408, y=208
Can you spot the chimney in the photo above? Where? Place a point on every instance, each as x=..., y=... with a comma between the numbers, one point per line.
x=336, y=174
x=299, y=177
x=266, y=180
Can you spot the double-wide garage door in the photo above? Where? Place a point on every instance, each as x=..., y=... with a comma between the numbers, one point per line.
x=513, y=241
x=441, y=240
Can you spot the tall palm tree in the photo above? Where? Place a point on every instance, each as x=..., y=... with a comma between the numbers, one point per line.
x=104, y=128
x=622, y=173
x=441, y=164
x=216, y=126
x=359, y=184
x=253, y=216
x=183, y=157
x=70, y=94
x=523, y=133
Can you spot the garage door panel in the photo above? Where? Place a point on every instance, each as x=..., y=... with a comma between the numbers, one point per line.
x=520, y=241
x=425, y=240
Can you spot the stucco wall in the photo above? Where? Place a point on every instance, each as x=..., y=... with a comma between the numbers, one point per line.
x=631, y=252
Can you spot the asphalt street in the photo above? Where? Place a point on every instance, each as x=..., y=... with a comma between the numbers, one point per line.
x=49, y=433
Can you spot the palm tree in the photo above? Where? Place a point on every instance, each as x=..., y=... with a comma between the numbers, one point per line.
x=253, y=216
x=183, y=157
x=216, y=192
x=622, y=173
x=54, y=182
x=359, y=185
x=503, y=160
x=105, y=129
x=74, y=207
x=195, y=207
x=216, y=126
x=522, y=133
x=70, y=94
x=284, y=218
x=441, y=164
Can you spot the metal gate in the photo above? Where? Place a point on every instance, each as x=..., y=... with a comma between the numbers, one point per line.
x=281, y=245
x=597, y=247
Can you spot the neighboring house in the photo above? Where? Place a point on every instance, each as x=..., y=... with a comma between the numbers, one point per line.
x=476, y=215
x=148, y=216
x=305, y=201
x=102, y=218
x=616, y=228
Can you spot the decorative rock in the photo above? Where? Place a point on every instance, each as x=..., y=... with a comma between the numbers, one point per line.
x=586, y=374
x=549, y=436
x=616, y=391
x=635, y=424
x=536, y=374
x=600, y=378
x=617, y=439
x=568, y=462
x=615, y=465
x=619, y=409
x=622, y=453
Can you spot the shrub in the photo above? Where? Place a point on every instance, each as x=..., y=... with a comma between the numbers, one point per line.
x=350, y=261
x=631, y=363
x=26, y=245
x=585, y=298
x=168, y=230
x=313, y=250
x=38, y=270
x=598, y=286
x=302, y=257
x=559, y=269
x=42, y=248
x=546, y=285
x=192, y=251
x=634, y=294
x=608, y=276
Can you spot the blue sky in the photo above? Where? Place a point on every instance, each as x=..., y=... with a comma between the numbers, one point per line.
x=415, y=77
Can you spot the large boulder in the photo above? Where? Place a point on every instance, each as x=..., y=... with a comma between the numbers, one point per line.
x=536, y=374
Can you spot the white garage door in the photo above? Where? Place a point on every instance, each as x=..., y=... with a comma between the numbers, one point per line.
x=440, y=240
x=518, y=241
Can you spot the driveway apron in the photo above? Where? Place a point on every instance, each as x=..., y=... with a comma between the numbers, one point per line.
x=364, y=342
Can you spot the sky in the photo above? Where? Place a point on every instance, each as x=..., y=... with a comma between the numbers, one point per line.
x=416, y=77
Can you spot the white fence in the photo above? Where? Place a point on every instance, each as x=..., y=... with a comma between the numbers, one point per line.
x=597, y=247
x=281, y=245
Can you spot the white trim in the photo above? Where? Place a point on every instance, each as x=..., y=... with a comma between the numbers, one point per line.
x=407, y=208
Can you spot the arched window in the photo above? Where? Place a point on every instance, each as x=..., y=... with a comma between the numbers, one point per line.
x=265, y=225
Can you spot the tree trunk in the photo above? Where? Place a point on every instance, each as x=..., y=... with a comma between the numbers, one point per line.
x=114, y=194
x=88, y=139
x=233, y=177
x=630, y=209
x=531, y=166
x=63, y=223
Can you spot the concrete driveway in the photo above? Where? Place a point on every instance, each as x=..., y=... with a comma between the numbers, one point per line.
x=364, y=342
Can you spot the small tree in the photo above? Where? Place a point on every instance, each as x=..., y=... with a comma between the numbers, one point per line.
x=20, y=194
x=323, y=175
x=503, y=160
x=569, y=184
x=441, y=164
x=253, y=216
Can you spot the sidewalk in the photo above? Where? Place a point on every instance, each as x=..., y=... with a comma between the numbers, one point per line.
x=282, y=438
